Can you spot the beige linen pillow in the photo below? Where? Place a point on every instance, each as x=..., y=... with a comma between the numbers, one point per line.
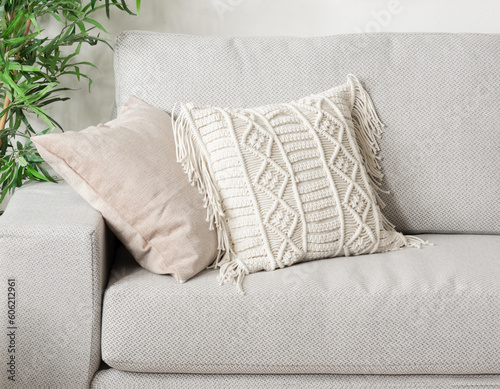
x=127, y=170
x=289, y=182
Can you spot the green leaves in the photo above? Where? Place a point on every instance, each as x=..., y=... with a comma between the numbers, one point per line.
x=95, y=23
x=18, y=169
x=12, y=25
x=33, y=174
x=31, y=69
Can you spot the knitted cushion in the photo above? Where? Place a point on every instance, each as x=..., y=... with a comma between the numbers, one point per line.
x=285, y=183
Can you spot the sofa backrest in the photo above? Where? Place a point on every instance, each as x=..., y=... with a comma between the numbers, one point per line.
x=438, y=94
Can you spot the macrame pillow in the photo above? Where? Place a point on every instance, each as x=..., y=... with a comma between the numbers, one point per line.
x=292, y=182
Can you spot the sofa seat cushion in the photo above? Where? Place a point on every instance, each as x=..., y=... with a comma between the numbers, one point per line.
x=430, y=311
x=115, y=379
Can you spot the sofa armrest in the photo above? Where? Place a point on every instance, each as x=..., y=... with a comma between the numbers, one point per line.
x=54, y=261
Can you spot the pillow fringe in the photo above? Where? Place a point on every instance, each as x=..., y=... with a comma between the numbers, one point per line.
x=195, y=165
x=392, y=240
x=233, y=271
x=369, y=130
x=415, y=241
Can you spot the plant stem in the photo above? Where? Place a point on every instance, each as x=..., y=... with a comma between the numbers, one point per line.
x=4, y=117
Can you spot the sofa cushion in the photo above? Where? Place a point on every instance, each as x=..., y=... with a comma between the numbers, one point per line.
x=430, y=311
x=116, y=379
x=127, y=170
x=438, y=95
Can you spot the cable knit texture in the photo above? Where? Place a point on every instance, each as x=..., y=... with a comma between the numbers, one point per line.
x=285, y=183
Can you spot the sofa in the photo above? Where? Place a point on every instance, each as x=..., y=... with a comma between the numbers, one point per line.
x=82, y=313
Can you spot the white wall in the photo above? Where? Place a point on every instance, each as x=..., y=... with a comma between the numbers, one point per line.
x=267, y=17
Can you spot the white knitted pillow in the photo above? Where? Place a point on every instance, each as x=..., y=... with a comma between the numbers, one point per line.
x=285, y=183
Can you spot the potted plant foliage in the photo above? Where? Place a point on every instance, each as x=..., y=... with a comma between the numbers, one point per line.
x=30, y=74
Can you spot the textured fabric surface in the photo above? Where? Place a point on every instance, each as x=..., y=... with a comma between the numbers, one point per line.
x=127, y=170
x=430, y=311
x=115, y=379
x=55, y=246
x=288, y=182
x=438, y=94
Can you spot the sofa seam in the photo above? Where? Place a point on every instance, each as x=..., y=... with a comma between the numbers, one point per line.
x=95, y=281
x=330, y=365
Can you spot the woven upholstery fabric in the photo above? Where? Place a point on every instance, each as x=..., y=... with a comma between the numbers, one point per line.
x=288, y=182
x=115, y=379
x=55, y=246
x=430, y=311
x=438, y=95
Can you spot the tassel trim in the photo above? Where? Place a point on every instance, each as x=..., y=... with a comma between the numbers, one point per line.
x=393, y=240
x=415, y=241
x=234, y=272
x=194, y=162
x=369, y=130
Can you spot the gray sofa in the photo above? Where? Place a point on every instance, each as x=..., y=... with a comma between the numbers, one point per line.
x=86, y=314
